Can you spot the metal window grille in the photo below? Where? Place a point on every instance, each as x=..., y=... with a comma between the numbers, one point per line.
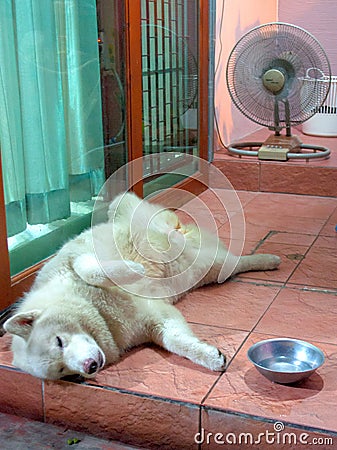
x=169, y=75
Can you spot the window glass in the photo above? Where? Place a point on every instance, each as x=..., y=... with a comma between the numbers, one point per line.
x=58, y=80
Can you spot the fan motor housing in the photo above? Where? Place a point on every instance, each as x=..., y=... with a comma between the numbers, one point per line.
x=273, y=80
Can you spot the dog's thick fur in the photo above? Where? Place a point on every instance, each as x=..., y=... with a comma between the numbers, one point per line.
x=114, y=286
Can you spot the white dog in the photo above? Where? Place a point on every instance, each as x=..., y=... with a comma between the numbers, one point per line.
x=114, y=286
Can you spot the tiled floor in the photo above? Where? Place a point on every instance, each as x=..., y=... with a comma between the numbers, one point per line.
x=154, y=399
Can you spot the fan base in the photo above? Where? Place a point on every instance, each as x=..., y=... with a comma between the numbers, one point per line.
x=279, y=148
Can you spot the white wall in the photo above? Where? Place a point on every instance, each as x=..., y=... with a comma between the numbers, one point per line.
x=319, y=17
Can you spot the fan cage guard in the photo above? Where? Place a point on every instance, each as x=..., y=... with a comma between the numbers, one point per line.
x=295, y=49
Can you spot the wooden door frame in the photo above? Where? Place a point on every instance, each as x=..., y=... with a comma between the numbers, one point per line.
x=203, y=100
x=134, y=99
x=12, y=288
x=5, y=279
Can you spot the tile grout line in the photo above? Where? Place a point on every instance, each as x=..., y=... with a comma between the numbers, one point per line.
x=308, y=249
x=222, y=374
x=266, y=310
x=199, y=424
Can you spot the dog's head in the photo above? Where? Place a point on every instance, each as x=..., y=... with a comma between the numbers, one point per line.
x=52, y=348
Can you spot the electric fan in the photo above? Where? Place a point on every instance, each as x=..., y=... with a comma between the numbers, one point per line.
x=278, y=75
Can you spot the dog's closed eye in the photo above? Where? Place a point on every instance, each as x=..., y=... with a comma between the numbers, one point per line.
x=59, y=342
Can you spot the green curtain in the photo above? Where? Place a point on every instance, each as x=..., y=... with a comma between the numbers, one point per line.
x=50, y=108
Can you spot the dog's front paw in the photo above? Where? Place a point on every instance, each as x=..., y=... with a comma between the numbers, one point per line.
x=216, y=360
x=220, y=362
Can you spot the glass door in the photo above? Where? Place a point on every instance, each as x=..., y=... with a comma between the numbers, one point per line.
x=170, y=87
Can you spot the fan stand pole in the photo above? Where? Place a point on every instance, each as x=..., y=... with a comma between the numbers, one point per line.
x=287, y=114
x=277, y=127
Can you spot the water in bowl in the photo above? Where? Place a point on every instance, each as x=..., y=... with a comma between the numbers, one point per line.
x=284, y=364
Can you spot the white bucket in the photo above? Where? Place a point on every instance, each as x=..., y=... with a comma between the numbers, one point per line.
x=324, y=122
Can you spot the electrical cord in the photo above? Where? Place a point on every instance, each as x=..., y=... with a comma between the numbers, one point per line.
x=216, y=71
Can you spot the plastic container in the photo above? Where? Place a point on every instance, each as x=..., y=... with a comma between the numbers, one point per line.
x=324, y=122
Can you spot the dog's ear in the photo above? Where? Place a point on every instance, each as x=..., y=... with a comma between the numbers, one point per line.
x=21, y=324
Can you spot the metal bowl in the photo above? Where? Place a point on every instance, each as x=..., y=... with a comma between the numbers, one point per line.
x=285, y=361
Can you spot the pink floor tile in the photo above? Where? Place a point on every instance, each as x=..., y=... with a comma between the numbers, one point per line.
x=326, y=243
x=232, y=200
x=236, y=246
x=203, y=215
x=244, y=230
x=216, y=205
x=302, y=314
x=235, y=240
x=285, y=220
x=20, y=394
x=236, y=305
x=283, y=237
x=318, y=268
x=270, y=204
x=243, y=389
x=291, y=214
x=329, y=227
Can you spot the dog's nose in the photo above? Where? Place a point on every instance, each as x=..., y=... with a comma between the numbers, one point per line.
x=90, y=366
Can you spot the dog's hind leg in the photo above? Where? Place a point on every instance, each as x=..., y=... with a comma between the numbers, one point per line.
x=256, y=262
x=173, y=333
